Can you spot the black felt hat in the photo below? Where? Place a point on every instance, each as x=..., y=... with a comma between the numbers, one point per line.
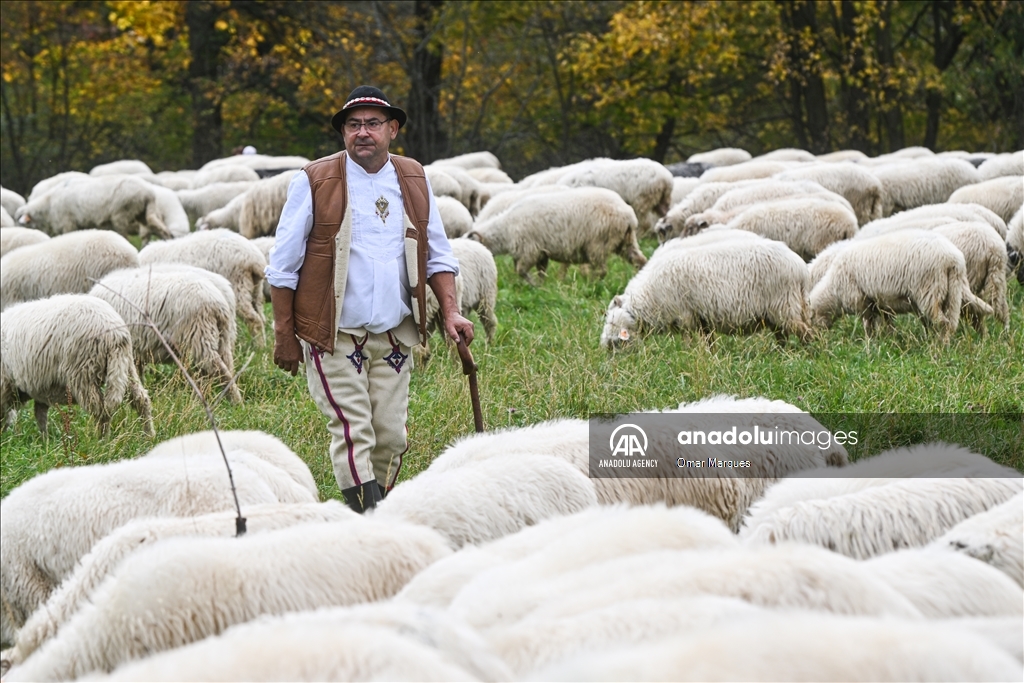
x=367, y=96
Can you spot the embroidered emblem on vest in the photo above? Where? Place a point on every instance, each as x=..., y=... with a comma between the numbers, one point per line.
x=382, y=208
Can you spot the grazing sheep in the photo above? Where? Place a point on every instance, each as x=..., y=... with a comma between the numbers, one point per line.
x=470, y=189
x=471, y=161
x=259, y=209
x=172, y=212
x=945, y=584
x=790, y=576
x=442, y=184
x=225, y=253
x=643, y=184
x=842, y=155
x=385, y=641
x=552, y=175
x=11, y=201
x=500, y=203
x=702, y=198
x=1015, y=245
x=489, y=175
x=919, y=182
x=681, y=187
x=52, y=520
x=787, y=154
x=69, y=349
x=66, y=264
x=583, y=225
x=479, y=275
x=995, y=536
x=224, y=217
x=199, y=202
x=175, y=180
x=193, y=308
x=1004, y=195
x=748, y=170
x=721, y=286
x=723, y=156
x=227, y=173
x=899, y=272
x=15, y=237
x=259, y=162
x=927, y=216
x=726, y=498
x=888, y=500
x=265, y=244
x=799, y=647
x=59, y=180
x=805, y=224
x=6, y=221
x=182, y=590
x=1009, y=164
x=596, y=534
x=860, y=187
x=126, y=204
x=742, y=196
x=483, y=501
x=455, y=217
x=110, y=551
x=125, y=166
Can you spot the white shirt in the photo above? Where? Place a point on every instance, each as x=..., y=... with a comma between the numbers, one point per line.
x=377, y=293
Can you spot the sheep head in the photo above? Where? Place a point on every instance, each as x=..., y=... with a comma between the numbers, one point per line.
x=619, y=323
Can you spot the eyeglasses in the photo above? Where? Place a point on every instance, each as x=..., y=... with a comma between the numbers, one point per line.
x=372, y=125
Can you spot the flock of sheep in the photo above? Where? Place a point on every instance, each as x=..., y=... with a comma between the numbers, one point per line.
x=503, y=559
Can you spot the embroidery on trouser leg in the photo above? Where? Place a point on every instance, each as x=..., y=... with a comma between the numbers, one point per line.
x=357, y=357
x=396, y=359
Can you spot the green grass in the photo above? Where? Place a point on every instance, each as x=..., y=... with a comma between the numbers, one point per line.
x=545, y=362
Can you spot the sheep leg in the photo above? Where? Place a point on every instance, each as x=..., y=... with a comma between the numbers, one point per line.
x=41, y=411
x=487, y=317
x=523, y=267
x=140, y=402
x=253, y=318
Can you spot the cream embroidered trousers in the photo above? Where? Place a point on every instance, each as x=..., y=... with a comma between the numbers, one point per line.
x=363, y=389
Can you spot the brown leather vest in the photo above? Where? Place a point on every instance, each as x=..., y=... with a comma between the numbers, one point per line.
x=316, y=296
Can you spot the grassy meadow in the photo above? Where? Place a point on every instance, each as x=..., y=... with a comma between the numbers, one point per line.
x=545, y=362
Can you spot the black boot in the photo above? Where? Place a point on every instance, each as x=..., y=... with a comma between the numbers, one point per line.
x=383, y=490
x=363, y=497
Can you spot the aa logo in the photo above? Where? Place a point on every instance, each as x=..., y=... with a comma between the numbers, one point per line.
x=629, y=441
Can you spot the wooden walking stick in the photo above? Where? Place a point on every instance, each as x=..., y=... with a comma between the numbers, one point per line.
x=469, y=368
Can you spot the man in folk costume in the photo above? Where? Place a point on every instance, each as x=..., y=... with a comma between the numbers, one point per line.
x=358, y=240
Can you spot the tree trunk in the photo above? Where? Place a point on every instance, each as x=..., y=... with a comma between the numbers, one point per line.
x=855, y=98
x=204, y=43
x=425, y=138
x=946, y=41
x=661, y=143
x=807, y=90
x=891, y=109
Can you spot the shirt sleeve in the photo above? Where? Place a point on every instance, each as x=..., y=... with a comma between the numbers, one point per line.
x=293, y=230
x=440, y=258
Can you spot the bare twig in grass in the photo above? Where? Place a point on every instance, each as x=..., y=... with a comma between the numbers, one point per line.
x=239, y=519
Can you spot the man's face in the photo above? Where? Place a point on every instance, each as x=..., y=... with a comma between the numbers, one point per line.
x=369, y=148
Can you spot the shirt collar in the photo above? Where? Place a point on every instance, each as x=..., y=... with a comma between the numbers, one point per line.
x=353, y=167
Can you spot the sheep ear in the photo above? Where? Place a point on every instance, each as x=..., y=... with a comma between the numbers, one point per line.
x=624, y=335
x=25, y=219
x=617, y=301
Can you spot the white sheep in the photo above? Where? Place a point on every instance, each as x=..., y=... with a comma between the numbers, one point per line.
x=799, y=647
x=6, y=220
x=59, y=180
x=227, y=173
x=910, y=184
x=748, y=170
x=726, y=498
x=741, y=196
x=456, y=218
x=582, y=225
x=487, y=500
x=265, y=244
x=787, y=154
x=721, y=286
x=15, y=237
x=1009, y=164
x=702, y=198
x=125, y=166
x=927, y=215
x=193, y=308
x=65, y=349
x=1003, y=195
x=944, y=584
x=882, y=503
x=790, y=576
x=485, y=174
x=479, y=276
x=805, y=224
x=472, y=160
x=382, y=641
x=200, y=202
x=225, y=253
x=259, y=209
x=126, y=204
x=11, y=201
x=501, y=202
x=442, y=184
x=470, y=188
x=1015, y=245
x=860, y=187
x=995, y=536
x=723, y=156
x=66, y=264
x=175, y=180
x=172, y=211
x=899, y=272
x=224, y=217
x=596, y=534
x=110, y=551
x=182, y=590
x=259, y=162
x=552, y=175
x=643, y=184
x=681, y=187
x=842, y=155
x=52, y=520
